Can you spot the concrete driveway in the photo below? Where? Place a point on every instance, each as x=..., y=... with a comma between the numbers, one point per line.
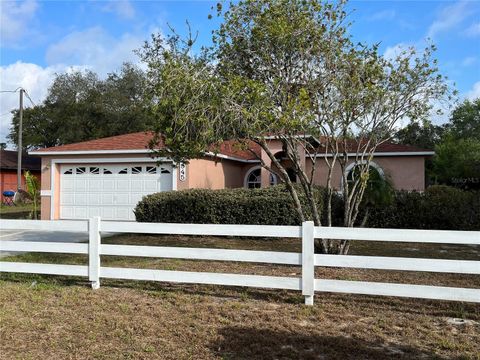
x=47, y=236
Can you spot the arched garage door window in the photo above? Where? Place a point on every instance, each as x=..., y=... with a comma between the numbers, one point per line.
x=253, y=179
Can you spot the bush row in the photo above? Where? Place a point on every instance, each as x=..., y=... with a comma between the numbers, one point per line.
x=269, y=206
x=439, y=207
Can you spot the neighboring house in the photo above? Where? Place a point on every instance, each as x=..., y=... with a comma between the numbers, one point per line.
x=107, y=177
x=8, y=169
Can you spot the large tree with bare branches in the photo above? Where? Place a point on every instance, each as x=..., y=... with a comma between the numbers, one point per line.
x=289, y=69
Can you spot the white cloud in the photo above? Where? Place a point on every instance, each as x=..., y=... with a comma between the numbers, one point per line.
x=15, y=18
x=392, y=52
x=90, y=49
x=475, y=92
x=469, y=60
x=123, y=8
x=448, y=18
x=35, y=79
x=473, y=30
x=382, y=15
x=96, y=49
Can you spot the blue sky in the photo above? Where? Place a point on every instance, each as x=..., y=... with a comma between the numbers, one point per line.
x=41, y=38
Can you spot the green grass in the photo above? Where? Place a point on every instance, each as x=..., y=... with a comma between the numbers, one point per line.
x=19, y=211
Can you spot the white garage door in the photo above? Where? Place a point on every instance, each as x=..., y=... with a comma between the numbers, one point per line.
x=109, y=191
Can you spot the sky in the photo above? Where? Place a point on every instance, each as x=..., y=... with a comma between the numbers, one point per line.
x=41, y=38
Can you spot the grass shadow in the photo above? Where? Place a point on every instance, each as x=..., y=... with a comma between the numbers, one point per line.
x=252, y=343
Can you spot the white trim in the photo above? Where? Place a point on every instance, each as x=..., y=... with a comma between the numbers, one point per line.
x=355, y=163
x=245, y=179
x=117, y=152
x=370, y=163
x=221, y=156
x=393, y=153
x=108, y=160
x=54, y=162
x=45, y=192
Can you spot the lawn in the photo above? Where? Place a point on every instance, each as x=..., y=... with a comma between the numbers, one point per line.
x=19, y=211
x=60, y=317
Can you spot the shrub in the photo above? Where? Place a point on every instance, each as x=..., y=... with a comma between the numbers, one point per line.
x=268, y=206
x=439, y=207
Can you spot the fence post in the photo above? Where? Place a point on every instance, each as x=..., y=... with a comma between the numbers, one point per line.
x=308, y=264
x=94, y=239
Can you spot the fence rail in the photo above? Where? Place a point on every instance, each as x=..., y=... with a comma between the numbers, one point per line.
x=307, y=259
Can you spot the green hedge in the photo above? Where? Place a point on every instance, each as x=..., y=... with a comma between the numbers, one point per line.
x=270, y=206
x=439, y=207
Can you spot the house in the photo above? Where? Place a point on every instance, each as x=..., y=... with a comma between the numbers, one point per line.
x=107, y=177
x=8, y=169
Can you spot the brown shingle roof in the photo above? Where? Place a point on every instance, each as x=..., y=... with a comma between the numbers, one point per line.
x=133, y=141
x=140, y=140
x=8, y=161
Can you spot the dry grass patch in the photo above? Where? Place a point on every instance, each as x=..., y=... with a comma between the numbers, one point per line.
x=59, y=317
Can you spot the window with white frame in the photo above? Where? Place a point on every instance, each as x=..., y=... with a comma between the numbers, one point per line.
x=253, y=179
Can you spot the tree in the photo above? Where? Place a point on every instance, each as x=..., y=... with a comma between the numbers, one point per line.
x=465, y=120
x=457, y=162
x=424, y=136
x=80, y=106
x=288, y=68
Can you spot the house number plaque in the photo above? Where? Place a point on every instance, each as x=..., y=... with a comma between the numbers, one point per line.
x=182, y=171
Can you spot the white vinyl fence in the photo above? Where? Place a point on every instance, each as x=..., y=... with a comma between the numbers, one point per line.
x=307, y=259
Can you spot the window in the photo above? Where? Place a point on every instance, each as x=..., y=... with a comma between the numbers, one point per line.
x=106, y=171
x=95, y=170
x=375, y=178
x=253, y=179
x=68, y=172
x=291, y=175
x=136, y=170
x=151, y=170
x=123, y=171
x=164, y=171
x=80, y=170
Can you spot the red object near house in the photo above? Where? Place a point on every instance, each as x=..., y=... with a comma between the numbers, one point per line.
x=8, y=169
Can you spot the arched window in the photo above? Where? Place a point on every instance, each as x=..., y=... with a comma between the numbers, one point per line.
x=375, y=174
x=253, y=179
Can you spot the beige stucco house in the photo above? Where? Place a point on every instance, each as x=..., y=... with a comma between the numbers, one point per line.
x=107, y=177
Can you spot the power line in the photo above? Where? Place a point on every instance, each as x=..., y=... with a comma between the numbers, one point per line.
x=29, y=98
x=10, y=91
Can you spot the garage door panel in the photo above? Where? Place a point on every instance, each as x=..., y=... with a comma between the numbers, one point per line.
x=94, y=211
x=151, y=185
x=80, y=184
x=108, y=213
x=123, y=213
x=109, y=191
x=80, y=212
x=135, y=198
x=67, y=199
x=106, y=199
x=122, y=199
x=108, y=185
x=67, y=183
x=122, y=185
x=95, y=184
x=66, y=212
x=94, y=199
x=136, y=185
x=81, y=199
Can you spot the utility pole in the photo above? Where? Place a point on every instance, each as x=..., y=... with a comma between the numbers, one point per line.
x=19, y=158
